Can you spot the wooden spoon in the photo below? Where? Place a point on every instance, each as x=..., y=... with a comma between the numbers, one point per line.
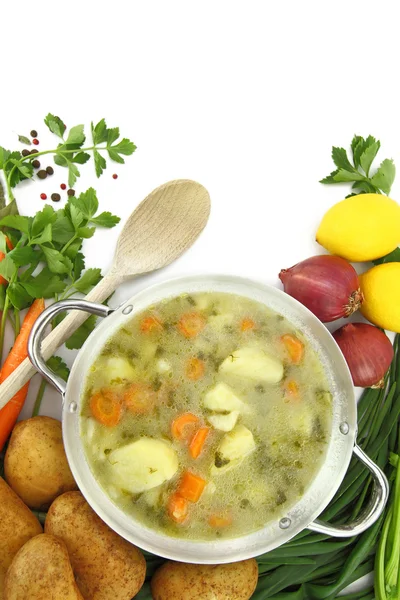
x=161, y=228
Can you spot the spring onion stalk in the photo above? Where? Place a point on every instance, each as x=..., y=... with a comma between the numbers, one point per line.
x=387, y=564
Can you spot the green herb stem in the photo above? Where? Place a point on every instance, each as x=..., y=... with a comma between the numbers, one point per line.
x=17, y=322
x=3, y=326
x=39, y=398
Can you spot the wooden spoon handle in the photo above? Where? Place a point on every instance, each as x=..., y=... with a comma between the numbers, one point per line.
x=56, y=338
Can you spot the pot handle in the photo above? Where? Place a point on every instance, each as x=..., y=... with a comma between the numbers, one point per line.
x=372, y=512
x=38, y=329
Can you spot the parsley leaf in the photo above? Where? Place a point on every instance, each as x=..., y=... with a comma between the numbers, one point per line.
x=86, y=232
x=90, y=278
x=58, y=366
x=79, y=265
x=76, y=216
x=86, y=202
x=79, y=337
x=57, y=262
x=81, y=158
x=76, y=136
x=62, y=229
x=368, y=155
x=55, y=125
x=99, y=132
x=44, y=236
x=7, y=267
x=17, y=222
x=364, y=152
x=339, y=156
x=105, y=219
x=44, y=285
x=24, y=255
x=24, y=140
x=384, y=177
x=99, y=163
x=4, y=155
x=18, y=295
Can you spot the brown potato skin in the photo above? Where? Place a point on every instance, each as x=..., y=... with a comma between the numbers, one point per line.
x=35, y=464
x=17, y=526
x=180, y=581
x=41, y=571
x=105, y=565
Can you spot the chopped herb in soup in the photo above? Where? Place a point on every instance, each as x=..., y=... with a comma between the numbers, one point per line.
x=206, y=415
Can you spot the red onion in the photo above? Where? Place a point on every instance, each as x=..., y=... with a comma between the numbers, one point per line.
x=368, y=352
x=326, y=285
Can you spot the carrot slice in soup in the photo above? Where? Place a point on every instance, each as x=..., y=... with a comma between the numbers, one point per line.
x=220, y=521
x=106, y=407
x=191, y=486
x=182, y=426
x=140, y=398
x=195, y=369
x=191, y=324
x=177, y=508
x=198, y=441
x=294, y=347
x=247, y=324
x=291, y=389
x=150, y=325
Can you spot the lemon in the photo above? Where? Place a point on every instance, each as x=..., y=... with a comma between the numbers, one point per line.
x=361, y=228
x=381, y=288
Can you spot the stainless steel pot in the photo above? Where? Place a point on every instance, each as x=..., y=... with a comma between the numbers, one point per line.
x=304, y=515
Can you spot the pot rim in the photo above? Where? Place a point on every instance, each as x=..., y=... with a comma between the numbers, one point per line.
x=323, y=486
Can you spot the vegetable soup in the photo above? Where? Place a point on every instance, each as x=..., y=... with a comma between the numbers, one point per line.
x=206, y=415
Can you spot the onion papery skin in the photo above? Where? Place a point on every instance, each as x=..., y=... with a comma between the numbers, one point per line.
x=368, y=353
x=326, y=285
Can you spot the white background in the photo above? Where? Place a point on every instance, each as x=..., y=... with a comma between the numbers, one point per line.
x=246, y=97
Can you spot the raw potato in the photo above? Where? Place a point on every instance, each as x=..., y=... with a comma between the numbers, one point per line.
x=180, y=581
x=253, y=363
x=35, y=464
x=41, y=571
x=234, y=447
x=17, y=525
x=143, y=465
x=224, y=422
x=106, y=566
x=222, y=398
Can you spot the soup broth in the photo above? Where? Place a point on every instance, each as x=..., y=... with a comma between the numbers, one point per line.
x=206, y=415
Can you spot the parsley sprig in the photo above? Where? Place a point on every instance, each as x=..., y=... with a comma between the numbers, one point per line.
x=69, y=153
x=46, y=260
x=359, y=172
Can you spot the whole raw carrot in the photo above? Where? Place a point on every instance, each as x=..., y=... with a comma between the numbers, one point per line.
x=18, y=353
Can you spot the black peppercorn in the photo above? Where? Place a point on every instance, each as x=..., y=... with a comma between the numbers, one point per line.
x=56, y=197
x=42, y=174
x=36, y=163
x=34, y=133
x=25, y=152
x=50, y=170
x=71, y=192
x=34, y=151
